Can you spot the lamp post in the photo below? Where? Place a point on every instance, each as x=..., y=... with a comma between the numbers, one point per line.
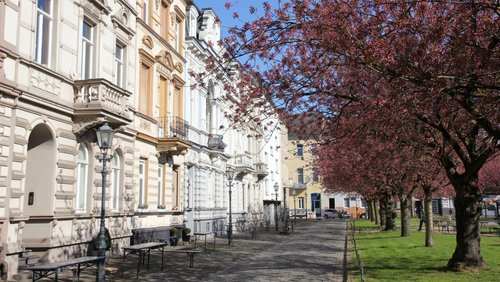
x=104, y=141
x=294, y=194
x=276, y=187
x=306, y=205
x=230, y=177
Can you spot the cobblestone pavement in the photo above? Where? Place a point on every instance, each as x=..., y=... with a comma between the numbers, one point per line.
x=315, y=251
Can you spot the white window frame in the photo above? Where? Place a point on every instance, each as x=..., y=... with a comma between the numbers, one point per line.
x=161, y=173
x=115, y=182
x=120, y=65
x=142, y=182
x=42, y=38
x=300, y=175
x=145, y=11
x=82, y=179
x=300, y=150
x=87, y=59
x=301, y=203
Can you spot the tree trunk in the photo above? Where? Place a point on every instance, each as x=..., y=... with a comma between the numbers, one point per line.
x=369, y=211
x=381, y=210
x=405, y=215
x=468, y=212
x=387, y=206
x=428, y=216
x=375, y=212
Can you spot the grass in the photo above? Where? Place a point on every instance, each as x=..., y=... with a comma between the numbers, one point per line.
x=386, y=256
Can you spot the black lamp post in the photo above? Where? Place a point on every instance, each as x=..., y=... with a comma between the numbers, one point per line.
x=230, y=177
x=104, y=141
x=306, y=205
x=276, y=187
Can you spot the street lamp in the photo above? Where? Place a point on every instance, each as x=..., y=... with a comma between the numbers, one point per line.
x=104, y=141
x=306, y=205
x=230, y=176
x=294, y=194
x=276, y=187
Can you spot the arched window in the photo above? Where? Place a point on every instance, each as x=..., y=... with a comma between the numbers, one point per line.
x=115, y=181
x=82, y=178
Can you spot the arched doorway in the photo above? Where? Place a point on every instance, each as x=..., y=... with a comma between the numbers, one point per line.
x=40, y=176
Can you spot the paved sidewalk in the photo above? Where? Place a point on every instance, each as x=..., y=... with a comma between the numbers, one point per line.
x=313, y=252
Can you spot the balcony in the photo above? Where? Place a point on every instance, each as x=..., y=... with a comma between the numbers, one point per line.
x=172, y=135
x=215, y=145
x=299, y=186
x=243, y=164
x=261, y=170
x=96, y=100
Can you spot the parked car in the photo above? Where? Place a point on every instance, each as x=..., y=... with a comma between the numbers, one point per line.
x=330, y=213
x=298, y=213
x=344, y=214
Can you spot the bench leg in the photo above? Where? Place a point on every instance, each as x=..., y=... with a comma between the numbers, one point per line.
x=191, y=260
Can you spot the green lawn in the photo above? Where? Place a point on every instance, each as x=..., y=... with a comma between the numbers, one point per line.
x=386, y=256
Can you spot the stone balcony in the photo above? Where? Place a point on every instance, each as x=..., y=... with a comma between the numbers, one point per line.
x=243, y=164
x=260, y=170
x=97, y=100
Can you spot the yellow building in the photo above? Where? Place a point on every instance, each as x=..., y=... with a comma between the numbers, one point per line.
x=307, y=196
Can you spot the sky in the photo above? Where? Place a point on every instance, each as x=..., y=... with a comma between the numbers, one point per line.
x=240, y=6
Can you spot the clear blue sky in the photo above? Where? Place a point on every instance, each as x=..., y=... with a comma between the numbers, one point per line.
x=240, y=6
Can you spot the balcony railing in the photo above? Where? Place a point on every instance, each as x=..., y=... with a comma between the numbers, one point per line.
x=172, y=127
x=100, y=93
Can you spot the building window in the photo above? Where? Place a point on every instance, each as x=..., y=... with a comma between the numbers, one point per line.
x=347, y=203
x=300, y=175
x=300, y=150
x=175, y=188
x=301, y=202
x=115, y=181
x=145, y=11
x=87, y=50
x=145, y=94
x=160, y=199
x=164, y=21
x=314, y=149
x=315, y=176
x=178, y=34
x=142, y=182
x=44, y=22
x=82, y=178
x=119, y=65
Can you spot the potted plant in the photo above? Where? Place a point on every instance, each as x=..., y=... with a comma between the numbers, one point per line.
x=174, y=236
x=186, y=231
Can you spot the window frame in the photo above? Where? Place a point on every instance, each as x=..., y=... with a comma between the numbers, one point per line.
x=161, y=186
x=87, y=59
x=143, y=179
x=300, y=175
x=300, y=150
x=119, y=64
x=82, y=189
x=116, y=169
x=41, y=35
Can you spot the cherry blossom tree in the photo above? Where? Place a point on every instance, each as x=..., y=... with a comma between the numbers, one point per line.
x=442, y=57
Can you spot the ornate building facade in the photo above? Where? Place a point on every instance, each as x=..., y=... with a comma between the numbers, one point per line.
x=66, y=68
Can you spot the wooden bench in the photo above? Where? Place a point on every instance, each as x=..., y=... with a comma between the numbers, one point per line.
x=45, y=270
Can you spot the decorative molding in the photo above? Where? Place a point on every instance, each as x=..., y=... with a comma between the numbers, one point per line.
x=148, y=41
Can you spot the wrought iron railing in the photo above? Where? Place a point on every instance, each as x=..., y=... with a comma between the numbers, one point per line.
x=172, y=127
